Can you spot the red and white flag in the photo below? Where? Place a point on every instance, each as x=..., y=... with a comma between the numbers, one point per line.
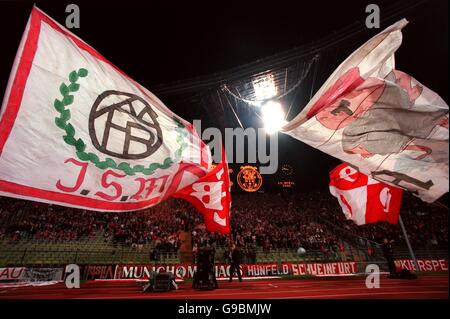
x=363, y=199
x=210, y=195
x=380, y=120
x=77, y=131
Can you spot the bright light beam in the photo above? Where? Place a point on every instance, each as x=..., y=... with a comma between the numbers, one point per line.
x=264, y=87
x=273, y=116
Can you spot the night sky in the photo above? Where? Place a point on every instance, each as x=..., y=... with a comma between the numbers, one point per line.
x=156, y=44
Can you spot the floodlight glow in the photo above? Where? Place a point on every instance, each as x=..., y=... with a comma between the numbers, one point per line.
x=273, y=116
x=264, y=87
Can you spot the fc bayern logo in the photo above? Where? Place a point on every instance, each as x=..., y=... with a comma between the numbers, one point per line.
x=249, y=178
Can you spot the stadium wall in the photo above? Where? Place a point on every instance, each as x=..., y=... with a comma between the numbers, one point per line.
x=186, y=271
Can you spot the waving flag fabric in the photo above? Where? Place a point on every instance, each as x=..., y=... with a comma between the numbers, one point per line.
x=363, y=199
x=210, y=195
x=380, y=120
x=75, y=130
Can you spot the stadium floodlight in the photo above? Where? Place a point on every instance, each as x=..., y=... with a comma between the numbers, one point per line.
x=272, y=116
x=264, y=87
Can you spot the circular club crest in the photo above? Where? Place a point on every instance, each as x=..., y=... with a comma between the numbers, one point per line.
x=124, y=125
x=249, y=178
x=135, y=134
x=287, y=169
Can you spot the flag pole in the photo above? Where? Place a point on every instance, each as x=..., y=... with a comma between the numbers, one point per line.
x=416, y=265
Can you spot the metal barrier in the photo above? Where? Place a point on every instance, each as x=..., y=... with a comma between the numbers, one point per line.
x=9, y=257
x=125, y=255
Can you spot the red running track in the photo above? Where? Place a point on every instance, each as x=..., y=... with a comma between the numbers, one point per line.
x=432, y=287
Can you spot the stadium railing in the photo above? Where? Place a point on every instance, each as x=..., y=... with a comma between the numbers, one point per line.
x=29, y=252
x=95, y=250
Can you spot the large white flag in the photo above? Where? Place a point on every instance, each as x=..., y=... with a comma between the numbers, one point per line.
x=380, y=120
x=75, y=130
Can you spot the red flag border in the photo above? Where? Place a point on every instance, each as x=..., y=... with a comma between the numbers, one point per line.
x=13, y=105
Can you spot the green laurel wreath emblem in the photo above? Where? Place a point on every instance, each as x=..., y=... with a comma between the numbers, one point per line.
x=62, y=121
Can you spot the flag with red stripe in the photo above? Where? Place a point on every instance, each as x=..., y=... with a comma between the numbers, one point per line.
x=77, y=131
x=380, y=120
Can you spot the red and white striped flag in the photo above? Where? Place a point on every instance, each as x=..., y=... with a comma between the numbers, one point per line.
x=363, y=199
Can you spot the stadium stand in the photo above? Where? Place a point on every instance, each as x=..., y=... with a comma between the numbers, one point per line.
x=40, y=234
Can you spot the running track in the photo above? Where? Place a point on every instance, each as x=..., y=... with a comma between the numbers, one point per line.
x=425, y=287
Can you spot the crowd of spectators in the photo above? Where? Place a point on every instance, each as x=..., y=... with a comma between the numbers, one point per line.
x=313, y=221
x=51, y=223
x=273, y=222
x=426, y=224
